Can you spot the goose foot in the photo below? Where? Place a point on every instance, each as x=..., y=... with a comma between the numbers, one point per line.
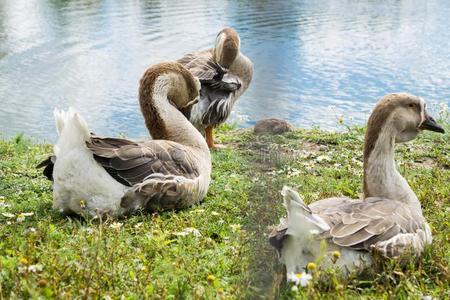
x=210, y=139
x=217, y=147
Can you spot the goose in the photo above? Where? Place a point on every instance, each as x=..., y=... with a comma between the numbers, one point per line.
x=95, y=175
x=389, y=218
x=225, y=74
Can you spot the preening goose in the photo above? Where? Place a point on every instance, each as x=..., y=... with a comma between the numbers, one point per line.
x=389, y=219
x=225, y=73
x=98, y=175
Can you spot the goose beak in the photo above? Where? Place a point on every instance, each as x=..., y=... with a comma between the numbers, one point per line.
x=430, y=124
x=189, y=104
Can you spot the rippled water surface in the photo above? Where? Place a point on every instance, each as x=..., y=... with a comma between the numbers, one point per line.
x=314, y=60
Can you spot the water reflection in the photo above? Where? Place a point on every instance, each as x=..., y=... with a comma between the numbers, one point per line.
x=314, y=61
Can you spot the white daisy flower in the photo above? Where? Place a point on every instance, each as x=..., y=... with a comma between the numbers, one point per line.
x=35, y=268
x=314, y=232
x=116, y=225
x=187, y=231
x=299, y=278
x=235, y=227
x=20, y=218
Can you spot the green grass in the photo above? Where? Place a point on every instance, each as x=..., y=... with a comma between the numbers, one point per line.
x=50, y=256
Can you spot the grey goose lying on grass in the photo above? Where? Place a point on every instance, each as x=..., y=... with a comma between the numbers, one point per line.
x=389, y=219
x=94, y=175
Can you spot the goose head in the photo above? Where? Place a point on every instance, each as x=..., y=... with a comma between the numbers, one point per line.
x=226, y=47
x=162, y=87
x=185, y=88
x=182, y=88
x=404, y=114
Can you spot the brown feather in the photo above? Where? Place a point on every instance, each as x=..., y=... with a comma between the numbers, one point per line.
x=203, y=66
x=361, y=224
x=130, y=164
x=386, y=235
x=214, y=92
x=341, y=230
x=352, y=239
x=379, y=226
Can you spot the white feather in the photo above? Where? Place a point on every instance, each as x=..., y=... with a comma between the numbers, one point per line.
x=302, y=246
x=80, y=184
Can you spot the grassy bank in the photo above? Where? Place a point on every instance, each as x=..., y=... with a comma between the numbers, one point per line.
x=217, y=249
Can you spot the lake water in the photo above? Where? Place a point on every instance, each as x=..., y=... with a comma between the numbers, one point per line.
x=314, y=60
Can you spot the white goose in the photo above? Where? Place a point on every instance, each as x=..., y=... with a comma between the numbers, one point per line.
x=225, y=74
x=94, y=175
x=389, y=219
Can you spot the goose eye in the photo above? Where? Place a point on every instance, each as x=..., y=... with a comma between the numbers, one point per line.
x=412, y=105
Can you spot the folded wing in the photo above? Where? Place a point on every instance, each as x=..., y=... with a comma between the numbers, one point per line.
x=387, y=225
x=203, y=66
x=218, y=86
x=159, y=172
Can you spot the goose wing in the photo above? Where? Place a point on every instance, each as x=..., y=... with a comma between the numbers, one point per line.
x=217, y=100
x=130, y=163
x=387, y=225
x=216, y=94
x=391, y=227
x=203, y=66
x=161, y=173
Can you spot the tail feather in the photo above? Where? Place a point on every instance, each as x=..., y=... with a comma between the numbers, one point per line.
x=72, y=121
x=60, y=119
x=291, y=197
x=162, y=192
x=297, y=210
x=299, y=223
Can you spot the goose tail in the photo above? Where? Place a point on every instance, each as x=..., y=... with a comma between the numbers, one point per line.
x=70, y=119
x=300, y=221
x=298, y=212
x=72, y=129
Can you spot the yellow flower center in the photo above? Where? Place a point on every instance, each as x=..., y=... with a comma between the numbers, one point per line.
x=336, y=254
x=23, y=260
x=311, y=266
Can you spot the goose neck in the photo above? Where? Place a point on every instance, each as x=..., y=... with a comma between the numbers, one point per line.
x=381, y=177
x=163, y=120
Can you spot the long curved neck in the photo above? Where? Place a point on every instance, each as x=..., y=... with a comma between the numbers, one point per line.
x=164, y=120
x=381, y=178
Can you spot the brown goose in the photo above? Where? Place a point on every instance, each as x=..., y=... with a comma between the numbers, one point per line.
x=389, y=219
x=94, y=175
x=225, y=73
